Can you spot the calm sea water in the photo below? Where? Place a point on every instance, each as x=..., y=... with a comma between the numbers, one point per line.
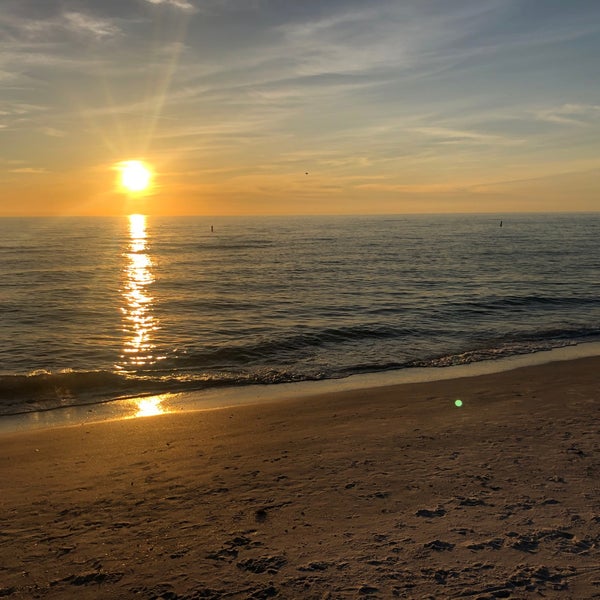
x=98, y=308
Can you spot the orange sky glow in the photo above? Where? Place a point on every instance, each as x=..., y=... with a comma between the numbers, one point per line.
x=330, y=108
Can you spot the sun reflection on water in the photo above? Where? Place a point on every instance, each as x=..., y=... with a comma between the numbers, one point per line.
x=149, y=407
x=139, y=323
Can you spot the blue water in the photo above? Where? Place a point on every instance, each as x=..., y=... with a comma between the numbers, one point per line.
x=99, y=308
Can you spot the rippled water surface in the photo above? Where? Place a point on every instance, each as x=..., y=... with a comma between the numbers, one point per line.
x=97, y=308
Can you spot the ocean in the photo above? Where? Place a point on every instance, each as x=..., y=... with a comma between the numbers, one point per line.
x=96, y=309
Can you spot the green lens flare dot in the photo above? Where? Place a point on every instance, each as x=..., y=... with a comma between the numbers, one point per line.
x=458, y=403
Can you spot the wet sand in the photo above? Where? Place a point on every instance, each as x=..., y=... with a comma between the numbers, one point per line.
x=377, y=493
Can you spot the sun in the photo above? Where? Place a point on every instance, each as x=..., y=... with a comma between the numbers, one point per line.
x=135, y=175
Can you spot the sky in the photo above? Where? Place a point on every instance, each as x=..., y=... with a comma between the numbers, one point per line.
x=245, y=107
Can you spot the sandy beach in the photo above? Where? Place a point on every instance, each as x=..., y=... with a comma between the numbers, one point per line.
x=390, y=492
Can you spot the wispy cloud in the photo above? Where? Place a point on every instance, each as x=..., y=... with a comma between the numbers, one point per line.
x=28, y=171
x=457, y=136
x=184, y=5
x=22, y=28
x=426, y=188
x=579, y=115
x=82, y=23
x=16, y=114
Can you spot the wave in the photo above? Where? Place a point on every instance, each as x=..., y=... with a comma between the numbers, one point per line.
x=295, y=347
x=43, y=390
x=527, y=302
x=21, y=394
x=292, y=347
x=482, y=354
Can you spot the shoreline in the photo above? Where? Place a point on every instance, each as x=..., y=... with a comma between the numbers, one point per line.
x=379, y=493
x=225, y=397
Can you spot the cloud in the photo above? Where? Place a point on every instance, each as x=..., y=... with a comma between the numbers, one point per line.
x=82, y=23
x=346, y=42
x=400, y=39
x=20, y=110
x=426, y=188
x=457, y=136
x=28, y=171
x=181, y=4
x=579, y=115
x=7, y=76
x=20, y=30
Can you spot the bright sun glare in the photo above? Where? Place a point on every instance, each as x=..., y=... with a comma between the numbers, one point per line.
x=135, y=175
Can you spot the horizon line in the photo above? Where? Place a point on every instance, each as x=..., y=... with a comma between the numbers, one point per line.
x=299, y=215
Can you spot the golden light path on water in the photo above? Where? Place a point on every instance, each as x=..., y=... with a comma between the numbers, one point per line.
x=139, y=323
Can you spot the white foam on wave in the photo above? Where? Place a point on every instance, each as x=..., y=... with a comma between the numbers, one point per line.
x=258, y=394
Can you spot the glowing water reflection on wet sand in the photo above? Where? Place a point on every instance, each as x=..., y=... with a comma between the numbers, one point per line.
x=138, y=320
x=149, y=407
